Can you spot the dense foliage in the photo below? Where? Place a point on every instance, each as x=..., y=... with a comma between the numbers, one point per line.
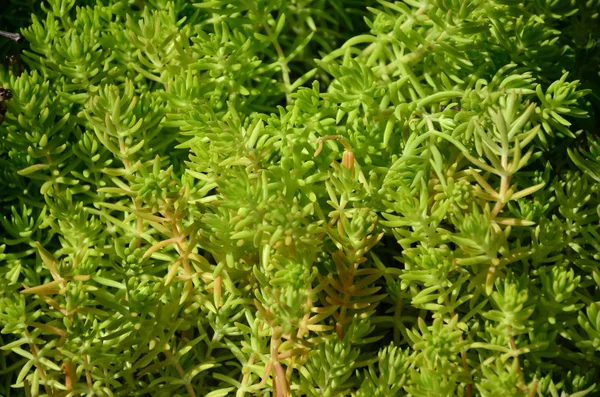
x=300, y=197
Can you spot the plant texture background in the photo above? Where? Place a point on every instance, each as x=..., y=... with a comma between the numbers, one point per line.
x=300, y=198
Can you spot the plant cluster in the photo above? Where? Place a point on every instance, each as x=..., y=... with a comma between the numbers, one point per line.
x=301, y=198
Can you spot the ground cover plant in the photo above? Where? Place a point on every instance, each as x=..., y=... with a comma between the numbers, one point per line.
x=300, y=198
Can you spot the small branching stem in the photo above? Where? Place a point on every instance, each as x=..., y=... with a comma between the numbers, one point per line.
x=285, y=71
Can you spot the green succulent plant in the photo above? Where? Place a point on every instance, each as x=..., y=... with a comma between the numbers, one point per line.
x=300, y=198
